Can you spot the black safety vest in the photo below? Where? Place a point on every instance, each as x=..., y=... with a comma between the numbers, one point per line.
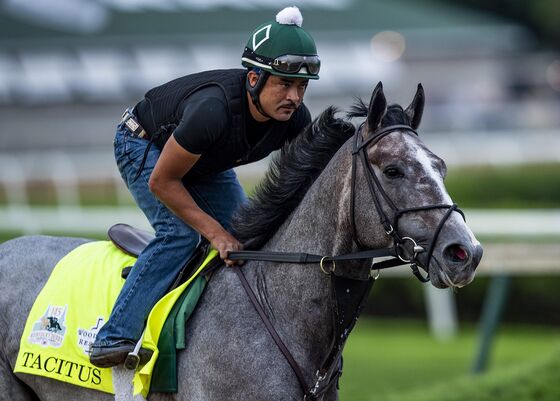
x=161, y=110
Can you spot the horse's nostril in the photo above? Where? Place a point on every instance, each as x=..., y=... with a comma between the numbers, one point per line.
x=456, y=253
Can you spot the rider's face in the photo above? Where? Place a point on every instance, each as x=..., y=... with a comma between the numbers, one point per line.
x=281, y=96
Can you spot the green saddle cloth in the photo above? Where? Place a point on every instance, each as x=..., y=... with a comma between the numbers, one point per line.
x=172, y=338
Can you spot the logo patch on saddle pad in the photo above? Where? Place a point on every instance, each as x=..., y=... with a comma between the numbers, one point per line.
x=49, y=330
x=86, y=337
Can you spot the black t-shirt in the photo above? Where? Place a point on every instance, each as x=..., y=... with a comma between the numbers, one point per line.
x=221, y=150
x=207, y=113
x=255, y=130
x=205, y=118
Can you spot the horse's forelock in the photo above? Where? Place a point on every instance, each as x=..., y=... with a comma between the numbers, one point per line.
x=394, y=115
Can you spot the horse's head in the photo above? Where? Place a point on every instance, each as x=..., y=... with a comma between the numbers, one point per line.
x=406, y=182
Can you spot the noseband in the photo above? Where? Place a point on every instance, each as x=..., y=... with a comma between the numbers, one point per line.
x=391, y=226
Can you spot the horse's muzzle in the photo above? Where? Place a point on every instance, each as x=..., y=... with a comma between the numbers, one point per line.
x=455, y=265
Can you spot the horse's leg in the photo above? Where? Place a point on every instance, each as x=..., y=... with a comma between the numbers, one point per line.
x=11, y=388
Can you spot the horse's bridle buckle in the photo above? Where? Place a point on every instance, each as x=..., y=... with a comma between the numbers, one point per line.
x=390, y=230
x=312, y=394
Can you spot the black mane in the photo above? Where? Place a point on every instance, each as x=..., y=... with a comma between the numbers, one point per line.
x=395, y=114
x=290, y=175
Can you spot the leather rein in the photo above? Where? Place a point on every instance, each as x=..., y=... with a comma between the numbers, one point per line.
x=349, y=293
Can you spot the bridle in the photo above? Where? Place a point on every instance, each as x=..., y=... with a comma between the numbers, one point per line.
x=375, y=188
x=350, y=293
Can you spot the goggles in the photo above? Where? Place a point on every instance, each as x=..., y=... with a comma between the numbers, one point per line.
x=288, y=63
x=292, y=64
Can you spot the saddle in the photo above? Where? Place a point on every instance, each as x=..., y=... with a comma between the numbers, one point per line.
x=133, y=241
x=129, y=239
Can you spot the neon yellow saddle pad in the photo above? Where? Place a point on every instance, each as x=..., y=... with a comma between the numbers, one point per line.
x=71, y=308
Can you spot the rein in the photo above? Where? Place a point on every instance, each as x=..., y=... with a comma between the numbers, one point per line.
x=349, y=293
x=350, y=296
x=389, y=255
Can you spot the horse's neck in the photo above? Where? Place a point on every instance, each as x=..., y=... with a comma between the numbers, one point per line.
x=320, y=224
x=298, y=296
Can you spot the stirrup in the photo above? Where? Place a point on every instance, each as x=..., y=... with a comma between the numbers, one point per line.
x=132, y=361
x=133, y=358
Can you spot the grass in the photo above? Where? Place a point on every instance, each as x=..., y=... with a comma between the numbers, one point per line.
x=388, y=360
x=533, y=381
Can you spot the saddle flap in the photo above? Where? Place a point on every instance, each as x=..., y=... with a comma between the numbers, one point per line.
x=129, y=239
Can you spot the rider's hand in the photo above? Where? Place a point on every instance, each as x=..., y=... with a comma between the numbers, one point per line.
x=224, y=243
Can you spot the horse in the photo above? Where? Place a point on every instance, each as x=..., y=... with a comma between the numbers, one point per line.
x=336, y=189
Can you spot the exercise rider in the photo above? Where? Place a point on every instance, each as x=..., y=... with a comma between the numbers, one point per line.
x=176, y=149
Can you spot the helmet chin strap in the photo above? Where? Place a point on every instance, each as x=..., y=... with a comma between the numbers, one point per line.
x=255, y=91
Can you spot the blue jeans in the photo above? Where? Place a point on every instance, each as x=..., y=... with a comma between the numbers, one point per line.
x=158, y=265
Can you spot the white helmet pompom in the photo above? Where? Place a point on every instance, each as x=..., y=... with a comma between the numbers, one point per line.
x=290, y=16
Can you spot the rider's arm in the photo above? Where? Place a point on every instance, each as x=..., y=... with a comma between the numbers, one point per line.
x=195, y=133
x=166, y=184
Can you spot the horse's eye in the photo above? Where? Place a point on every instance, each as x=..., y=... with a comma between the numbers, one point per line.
x=393, y=172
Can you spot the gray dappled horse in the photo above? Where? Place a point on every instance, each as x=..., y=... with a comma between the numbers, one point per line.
x=310, y=201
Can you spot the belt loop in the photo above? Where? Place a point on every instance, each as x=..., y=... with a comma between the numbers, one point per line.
x=126, y=112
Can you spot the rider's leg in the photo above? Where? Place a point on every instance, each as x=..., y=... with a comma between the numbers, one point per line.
x=160, y=262
x=219, y=195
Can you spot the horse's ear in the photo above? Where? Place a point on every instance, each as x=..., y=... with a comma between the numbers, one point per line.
x=377, y=107
x=416, y=108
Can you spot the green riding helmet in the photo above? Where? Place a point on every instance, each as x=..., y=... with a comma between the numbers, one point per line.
x=283, y=48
